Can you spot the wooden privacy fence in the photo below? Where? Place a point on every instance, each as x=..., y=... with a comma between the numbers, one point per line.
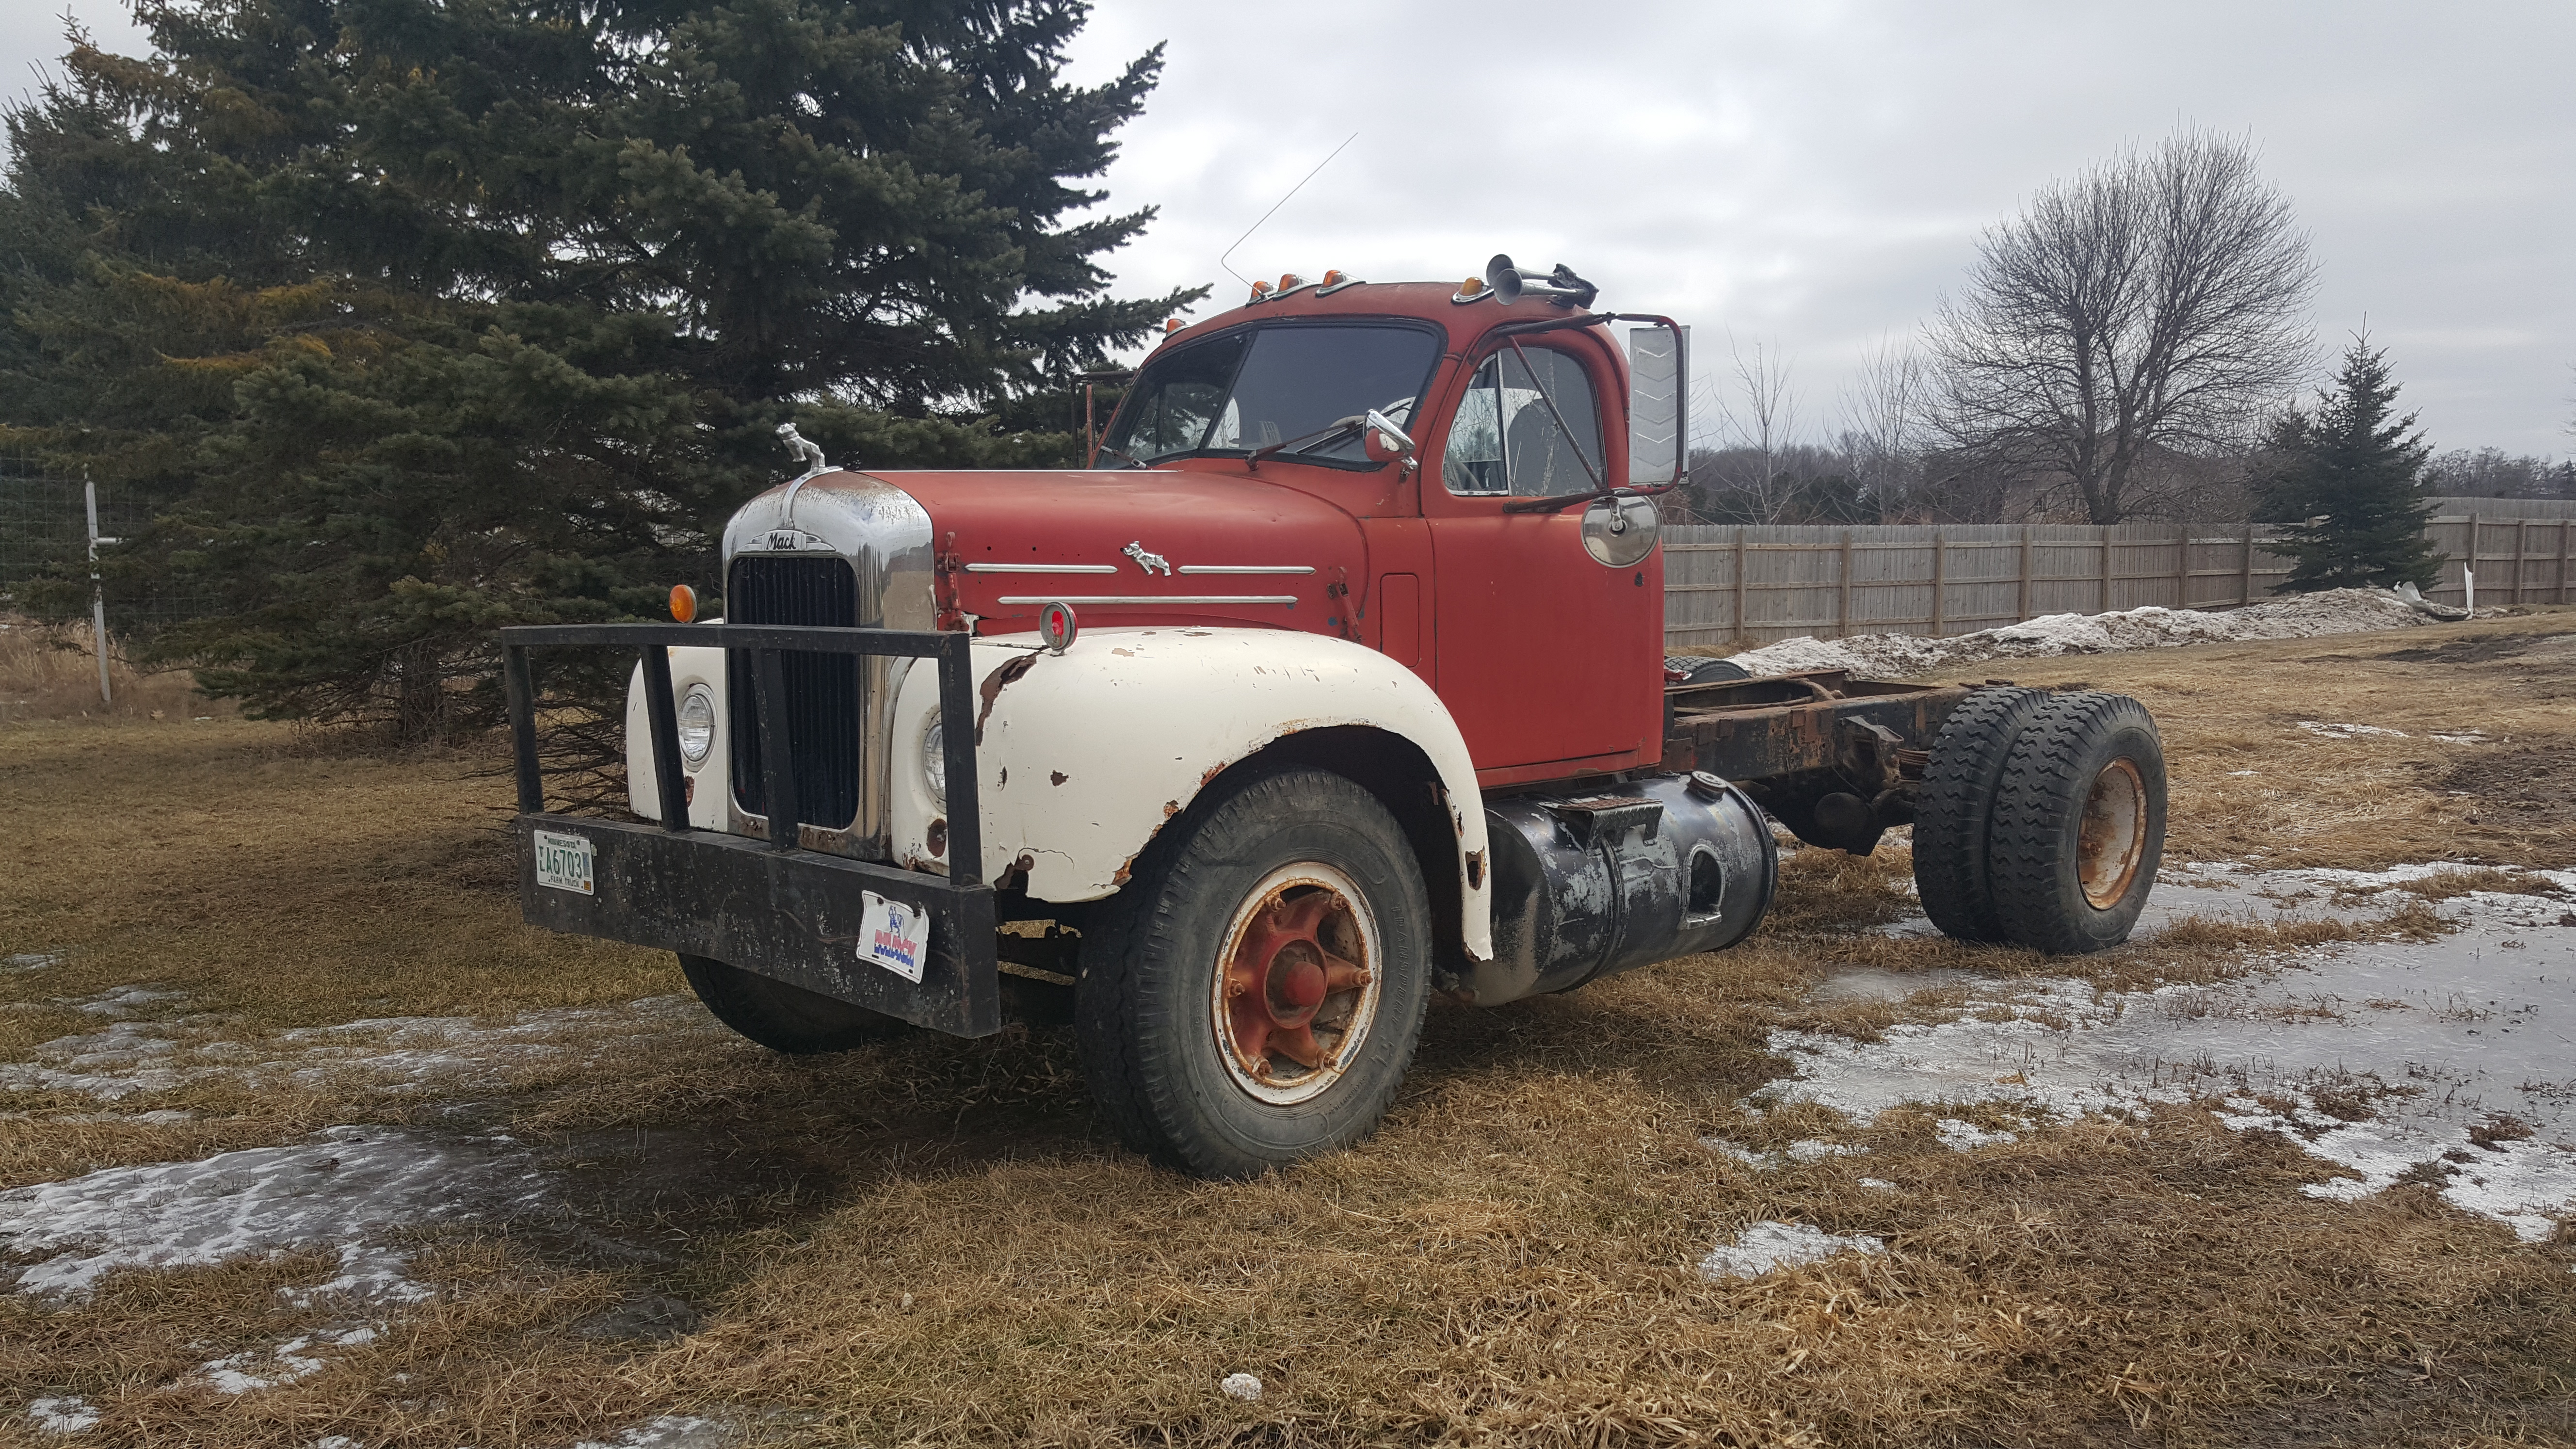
x=1765, y=583
x=2517, y=560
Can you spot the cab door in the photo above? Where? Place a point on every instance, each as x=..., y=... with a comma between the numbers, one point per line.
x=1550, y=661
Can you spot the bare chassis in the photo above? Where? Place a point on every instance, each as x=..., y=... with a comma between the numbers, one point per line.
x=1833, y=758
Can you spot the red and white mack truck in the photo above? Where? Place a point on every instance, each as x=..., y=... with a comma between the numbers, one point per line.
x=1336, y=682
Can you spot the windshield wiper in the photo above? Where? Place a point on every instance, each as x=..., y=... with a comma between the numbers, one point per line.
x=1305, y=441
x=1131, y=458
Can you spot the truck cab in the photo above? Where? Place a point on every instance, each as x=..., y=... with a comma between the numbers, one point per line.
x=1335, y=683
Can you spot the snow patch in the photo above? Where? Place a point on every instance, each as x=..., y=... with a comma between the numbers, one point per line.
x=65, y=1415
x=2334, y=731
x=2302, y=616
x=294, y=1359
x=31, y=961
x=342, y=1189
x=2442, y=1062
x=669, y=1431
x=1768, y=1245
x=402, y=1054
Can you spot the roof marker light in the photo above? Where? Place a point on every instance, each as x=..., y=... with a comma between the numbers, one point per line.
x=684, y=603
x=1171, y=325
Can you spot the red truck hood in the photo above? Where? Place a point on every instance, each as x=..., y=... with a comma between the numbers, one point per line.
x=1216, y=549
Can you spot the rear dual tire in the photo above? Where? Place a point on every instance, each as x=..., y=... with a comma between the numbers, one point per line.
x=2042, y=820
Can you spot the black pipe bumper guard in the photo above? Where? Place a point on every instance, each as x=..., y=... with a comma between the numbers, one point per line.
x=769, y=906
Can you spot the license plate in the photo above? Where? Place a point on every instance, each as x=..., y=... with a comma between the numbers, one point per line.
x=563, y=861
x=893, y=935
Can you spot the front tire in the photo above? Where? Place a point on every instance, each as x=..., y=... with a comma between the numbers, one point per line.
x=1254, y=995
x=781, y=1017
x=2079, y=825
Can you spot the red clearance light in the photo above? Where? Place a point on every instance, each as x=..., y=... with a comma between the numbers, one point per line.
x=684, y=603
x=1057, y=626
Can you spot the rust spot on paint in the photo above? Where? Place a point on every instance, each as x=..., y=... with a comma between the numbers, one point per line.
x=1120, y=878
x=1057, y=777
x=1171, y=808
x=1211, y=773
x=938, y=836
x=1475, y=870
x=1124, y=653
x=993, y=686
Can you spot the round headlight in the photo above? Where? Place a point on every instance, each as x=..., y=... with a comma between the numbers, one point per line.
x=934, y=760
x=697, y=724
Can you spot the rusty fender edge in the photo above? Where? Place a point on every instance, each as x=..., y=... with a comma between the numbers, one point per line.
x=791, y=915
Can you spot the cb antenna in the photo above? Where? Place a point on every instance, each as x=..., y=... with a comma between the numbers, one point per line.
x=1274, y=210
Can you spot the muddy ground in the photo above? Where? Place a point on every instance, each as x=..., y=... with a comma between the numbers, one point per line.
x=308, y=1142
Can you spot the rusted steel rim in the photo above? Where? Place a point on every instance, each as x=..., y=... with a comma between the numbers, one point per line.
x=1296, y=988
x=2112, y=838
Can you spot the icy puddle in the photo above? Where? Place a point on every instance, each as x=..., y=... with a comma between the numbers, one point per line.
x=414, y=1053
x=344, y=1190
x=2451, y=1062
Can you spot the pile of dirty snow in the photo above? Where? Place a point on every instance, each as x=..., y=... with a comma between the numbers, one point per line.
x=2300, y=616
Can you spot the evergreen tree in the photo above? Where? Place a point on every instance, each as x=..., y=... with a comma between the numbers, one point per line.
x=2346, y=482
x=413, y=318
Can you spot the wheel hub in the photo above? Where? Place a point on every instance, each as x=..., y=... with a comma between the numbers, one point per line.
x=2112, y=838
x=1295, y=988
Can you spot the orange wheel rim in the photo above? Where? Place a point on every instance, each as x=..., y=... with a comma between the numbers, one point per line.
x=2111, y=839
x=1296, y=987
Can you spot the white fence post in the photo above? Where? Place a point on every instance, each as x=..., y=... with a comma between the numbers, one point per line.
x=97, y=592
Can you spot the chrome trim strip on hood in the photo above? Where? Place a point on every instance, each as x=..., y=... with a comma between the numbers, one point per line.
x=1148, y=599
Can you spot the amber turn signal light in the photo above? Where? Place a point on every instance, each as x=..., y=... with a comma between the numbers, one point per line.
x=684, y=603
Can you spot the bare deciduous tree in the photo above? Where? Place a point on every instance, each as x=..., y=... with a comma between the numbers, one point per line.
x=2156, y=304
x=1757, y=428
x=1883, y=409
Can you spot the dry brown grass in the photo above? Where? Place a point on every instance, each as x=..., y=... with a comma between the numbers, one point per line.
x=932, y=1243
x=50, y=673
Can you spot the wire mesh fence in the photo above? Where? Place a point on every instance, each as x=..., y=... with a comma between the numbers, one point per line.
x=44, y=533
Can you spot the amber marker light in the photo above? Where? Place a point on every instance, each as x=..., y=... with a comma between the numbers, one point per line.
x=684, y=603
x=1332, y=278
x=1471, y=286
x=1171, y=325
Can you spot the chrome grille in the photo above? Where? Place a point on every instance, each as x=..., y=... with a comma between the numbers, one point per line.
x=823, y=692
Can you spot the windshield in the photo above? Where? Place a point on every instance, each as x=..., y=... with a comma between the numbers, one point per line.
x=1302, y=387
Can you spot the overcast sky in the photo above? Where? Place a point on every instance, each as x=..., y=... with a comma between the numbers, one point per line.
x=1812, y=176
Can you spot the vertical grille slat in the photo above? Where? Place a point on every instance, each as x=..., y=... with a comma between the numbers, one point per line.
x=823, y=693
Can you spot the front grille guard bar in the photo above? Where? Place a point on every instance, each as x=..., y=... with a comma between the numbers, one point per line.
x=767, y=644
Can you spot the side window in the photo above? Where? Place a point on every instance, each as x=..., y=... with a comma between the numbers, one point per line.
x=1530, y=428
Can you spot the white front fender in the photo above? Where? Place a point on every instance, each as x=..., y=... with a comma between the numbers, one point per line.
x=1083, y=755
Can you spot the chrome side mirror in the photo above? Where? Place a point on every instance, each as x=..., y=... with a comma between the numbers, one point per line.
x=1382, y=439
x=1658, y=430
x=1620, y=530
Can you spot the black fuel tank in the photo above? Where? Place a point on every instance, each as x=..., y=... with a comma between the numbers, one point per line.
x=1592, y=883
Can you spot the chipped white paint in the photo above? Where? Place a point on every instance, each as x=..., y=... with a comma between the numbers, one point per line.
x=1086, y=753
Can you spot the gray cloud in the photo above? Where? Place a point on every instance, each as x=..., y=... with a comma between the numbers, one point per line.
x=1813, y=176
